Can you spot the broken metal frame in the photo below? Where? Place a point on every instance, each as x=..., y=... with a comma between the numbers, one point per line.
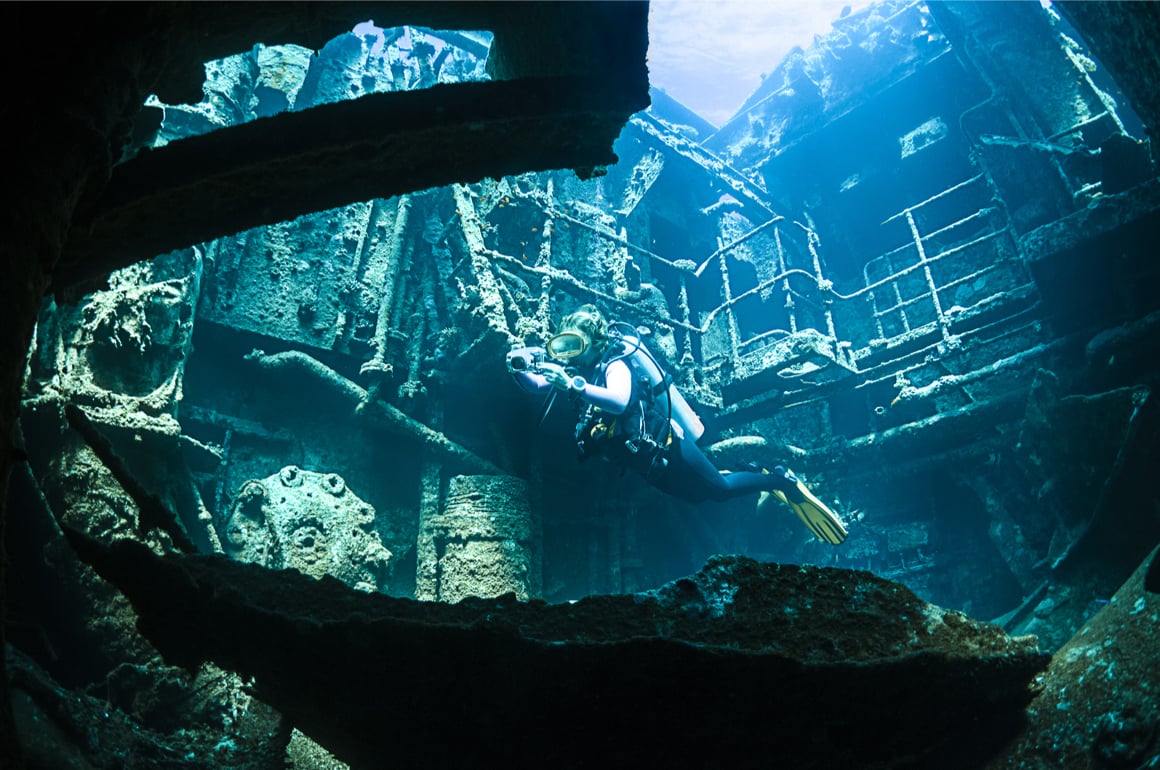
x=552, y=276
x=153, y=513
x=379, y=412
x=945, y=314
x=925, y=263
x=552, y=212
x=1000, y=238
x=684, y=268
x=976, y=58
x=1120, y=475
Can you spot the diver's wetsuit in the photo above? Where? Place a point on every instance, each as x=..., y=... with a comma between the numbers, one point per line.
x=689, y=475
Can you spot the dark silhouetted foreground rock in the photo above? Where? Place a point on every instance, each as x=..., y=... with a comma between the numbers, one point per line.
x=743, y=664
x=1099, y=704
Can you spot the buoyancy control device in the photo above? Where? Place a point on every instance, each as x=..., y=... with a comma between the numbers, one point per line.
x=641, y=436
x=664, y=391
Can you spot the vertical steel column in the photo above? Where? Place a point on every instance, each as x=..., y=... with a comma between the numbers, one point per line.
x=898, y=301
x=782, y=267
x=942, y=321
x=543, y=319
x=812, y=242
x=734, y=332
x=620, y=267
x=874, y=312
x=491, y=305
x=395, y=258
x=427, y=556
x=687, y=359
x=219, y=491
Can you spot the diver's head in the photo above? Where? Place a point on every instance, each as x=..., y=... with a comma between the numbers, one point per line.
x=582, y=337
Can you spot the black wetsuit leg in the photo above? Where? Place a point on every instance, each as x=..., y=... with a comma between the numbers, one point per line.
x=690, y=476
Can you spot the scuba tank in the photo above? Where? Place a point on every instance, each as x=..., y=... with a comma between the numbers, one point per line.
x=664, y=392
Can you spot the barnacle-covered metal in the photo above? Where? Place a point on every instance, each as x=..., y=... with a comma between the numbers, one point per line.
x=310, y=522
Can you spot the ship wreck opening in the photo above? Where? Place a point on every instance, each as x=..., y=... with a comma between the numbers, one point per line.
x=915, y=267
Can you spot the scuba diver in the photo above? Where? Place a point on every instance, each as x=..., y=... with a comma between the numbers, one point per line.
x=633, y=415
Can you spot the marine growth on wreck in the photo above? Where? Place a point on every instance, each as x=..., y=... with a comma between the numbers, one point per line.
x=915, y=267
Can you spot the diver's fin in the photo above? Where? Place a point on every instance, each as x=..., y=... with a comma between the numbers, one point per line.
x=823, y=522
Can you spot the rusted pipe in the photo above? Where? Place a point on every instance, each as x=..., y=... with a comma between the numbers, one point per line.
x=383, y=414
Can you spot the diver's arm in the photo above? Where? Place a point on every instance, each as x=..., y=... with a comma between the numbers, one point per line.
x=531, y=382
x=614, y=396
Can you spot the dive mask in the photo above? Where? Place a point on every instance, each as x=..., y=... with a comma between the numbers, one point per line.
x=566, y=345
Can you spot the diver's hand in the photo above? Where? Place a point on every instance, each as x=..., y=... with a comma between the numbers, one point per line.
x=555, y=375
x=561, y=380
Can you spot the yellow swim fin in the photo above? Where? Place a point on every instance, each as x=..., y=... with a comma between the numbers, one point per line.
x=823, y=522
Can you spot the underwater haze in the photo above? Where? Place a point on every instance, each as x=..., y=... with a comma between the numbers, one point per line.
x=839, y=382
x=711, y=55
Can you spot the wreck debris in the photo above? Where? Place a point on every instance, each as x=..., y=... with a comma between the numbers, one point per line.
x=739, y=240
x=751, y=195
x=394, y=262
x=172, y=722
x=851, y=312
x=371, y=141
x=488, y=304
x=382, y=413
x=311, y=522
x=541, y=322
x=122, y=355
x=124, y=350
x=153, y=513
x=1097, y=703
x=1088, y=486
x=644, y=174
x=919, y=267
x=482, y=543
x=704, y=652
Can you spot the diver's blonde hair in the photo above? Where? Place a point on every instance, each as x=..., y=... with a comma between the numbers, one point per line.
x=589, y=320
